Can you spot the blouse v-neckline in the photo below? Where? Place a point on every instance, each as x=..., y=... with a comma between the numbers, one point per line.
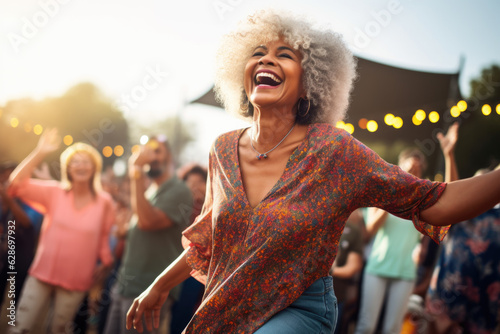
x=278, y=183
x=74, y=206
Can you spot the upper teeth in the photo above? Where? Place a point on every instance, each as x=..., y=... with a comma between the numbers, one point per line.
x=269, y=75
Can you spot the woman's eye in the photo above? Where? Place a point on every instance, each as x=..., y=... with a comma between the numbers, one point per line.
x=259, y=54
x=286, y=55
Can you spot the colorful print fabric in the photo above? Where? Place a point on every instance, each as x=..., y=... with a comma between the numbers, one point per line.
x=257, y=261
x=466, y=282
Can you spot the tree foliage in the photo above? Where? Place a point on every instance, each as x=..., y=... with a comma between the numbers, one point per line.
x=479, y=141
x=83, y=112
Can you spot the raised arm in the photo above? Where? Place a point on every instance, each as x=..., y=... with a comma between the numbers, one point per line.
x=464, y=199
x=376, y=219
x=150, y=217
x=48, y=143
x=448, y=144
x=149, y=303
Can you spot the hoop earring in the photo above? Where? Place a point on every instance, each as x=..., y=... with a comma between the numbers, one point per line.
x=308, y=107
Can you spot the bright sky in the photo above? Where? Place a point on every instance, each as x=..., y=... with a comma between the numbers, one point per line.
x=165, y=50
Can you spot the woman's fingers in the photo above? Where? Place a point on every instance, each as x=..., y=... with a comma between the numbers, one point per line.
x=157, y=318
x=148, y=315
x=132, y=314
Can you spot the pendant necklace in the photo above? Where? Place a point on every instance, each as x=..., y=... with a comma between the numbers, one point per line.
x=264, y=155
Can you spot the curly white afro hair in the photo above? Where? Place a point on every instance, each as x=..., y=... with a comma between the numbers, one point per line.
x=329, y=66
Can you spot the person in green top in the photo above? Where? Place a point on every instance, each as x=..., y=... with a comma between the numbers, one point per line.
x=390, y=271
x=161, y=212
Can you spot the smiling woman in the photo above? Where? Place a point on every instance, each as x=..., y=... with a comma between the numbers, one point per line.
x=77, y=220
x=328, y=65
x=270, y=226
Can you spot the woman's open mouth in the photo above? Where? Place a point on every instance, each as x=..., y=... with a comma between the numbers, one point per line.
x=266, y=78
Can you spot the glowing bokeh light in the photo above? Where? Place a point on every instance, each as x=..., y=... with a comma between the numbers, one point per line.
x=68, y=140
x=135, y=149
x=14, y=122
x=144, y=139
x=349, y=128
x=415, y=120
x=38, y=129
x=119, y=150
x=434, y=117
x=420, y=115
x=498, y=108
x=389, y=119
x=107, y=151
x=398, y=122
x=486, y=109
x=362, y=123
x=454, y=111
x=372, y=126
x=462, y=105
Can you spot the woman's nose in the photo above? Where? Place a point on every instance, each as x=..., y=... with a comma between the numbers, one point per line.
x=266, y=59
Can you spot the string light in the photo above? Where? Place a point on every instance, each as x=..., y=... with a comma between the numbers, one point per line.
x=107, y=151
x=420, y=115
x=362, y=123
x=14, y=122
x=68, y=140
x=462, y=105
x=372, y=126
x=415, y=120
x=398, y=122
x=434, y=116
x=349, y=128
x=119, y=150
x=454, y=111
x=38, y=129
x=389, y=119
x=486, y=109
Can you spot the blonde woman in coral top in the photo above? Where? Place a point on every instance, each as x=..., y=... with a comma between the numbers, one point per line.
x=74, y=235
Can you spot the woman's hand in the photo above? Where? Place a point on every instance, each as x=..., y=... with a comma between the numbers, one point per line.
x=149, y=304
x=49, y=142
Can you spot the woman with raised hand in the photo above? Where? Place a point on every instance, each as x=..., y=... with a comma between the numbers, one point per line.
x=279, y=192
x=74, y=234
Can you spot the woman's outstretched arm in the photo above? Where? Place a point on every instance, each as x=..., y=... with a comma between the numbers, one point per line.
x=149, y=303
x=465, y=199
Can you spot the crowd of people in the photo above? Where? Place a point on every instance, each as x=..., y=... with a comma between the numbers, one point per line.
x=257, y=242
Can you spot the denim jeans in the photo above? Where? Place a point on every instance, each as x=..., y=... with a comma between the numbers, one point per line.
x=314, y=312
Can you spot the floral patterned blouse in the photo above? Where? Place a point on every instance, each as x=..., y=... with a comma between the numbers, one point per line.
x=257, y=261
